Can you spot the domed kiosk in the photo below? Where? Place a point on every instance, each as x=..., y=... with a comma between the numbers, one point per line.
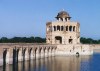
x=63, y=16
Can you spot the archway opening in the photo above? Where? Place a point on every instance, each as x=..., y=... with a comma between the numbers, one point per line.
x=24, y=54
x=35, y=52
x=70, y=41
x=14, y=55
x=17, y=54
x=77, y=54
x=4, y=57
x=58, y=40
x=70, y=28
x=58, y=28
x=30, y=53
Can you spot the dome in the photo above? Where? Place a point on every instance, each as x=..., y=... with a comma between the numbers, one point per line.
x=63, y=14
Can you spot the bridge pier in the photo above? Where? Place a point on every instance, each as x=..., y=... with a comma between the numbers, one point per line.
x=46, y=52
x=31, y=54
x=42, y=53
x=37, y=53
x=26, y=54
x=49, y=52
x=15, y=53
x=53, y=51
x=20, y=55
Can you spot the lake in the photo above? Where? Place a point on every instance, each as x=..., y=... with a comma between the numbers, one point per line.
x=69, y=63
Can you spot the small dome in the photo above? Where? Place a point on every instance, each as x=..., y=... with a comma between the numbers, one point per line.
x=63, y=14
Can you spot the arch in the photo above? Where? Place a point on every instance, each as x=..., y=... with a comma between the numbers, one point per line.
x=46, y=52
x=5, y=56
x=54, y=28
x=66, y=28
x=58, y=40
x=74, y=28
x=42, y=52
x=70, y=41
x=49, y=51
x=58, y=28
x=19, y=54
x=77, y=54
x=35, y=52
x=14, y=55
x=70, y=28
x=25, y=54
x=62, y=28
x=31, y=55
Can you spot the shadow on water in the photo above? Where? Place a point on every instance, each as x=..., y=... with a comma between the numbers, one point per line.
x=4, y=66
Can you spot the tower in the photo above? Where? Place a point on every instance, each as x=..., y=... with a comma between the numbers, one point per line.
x=63, y=31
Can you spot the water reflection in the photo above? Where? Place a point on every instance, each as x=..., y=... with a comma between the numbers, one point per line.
x=70, y=63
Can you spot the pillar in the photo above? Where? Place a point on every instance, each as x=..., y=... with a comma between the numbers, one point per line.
x=42, y=53
x=46, y=52
x=20, y=55
x=49, y=52
x=31, y=54
x=26, y=54
x=37, y=54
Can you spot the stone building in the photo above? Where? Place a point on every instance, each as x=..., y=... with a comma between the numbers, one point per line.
x=63, y=31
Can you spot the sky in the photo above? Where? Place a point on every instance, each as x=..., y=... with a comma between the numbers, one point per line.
x=25, y=18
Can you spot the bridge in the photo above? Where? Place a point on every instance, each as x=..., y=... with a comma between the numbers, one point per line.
x=10, y=52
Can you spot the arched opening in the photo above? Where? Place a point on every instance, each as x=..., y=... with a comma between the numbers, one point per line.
x=14, y=55
x=30, y=54
x=54, y=28
x=70, y=28
x=58, y=40
x=42, y=52
x=58, y=28
x=49, y=51
x=24, y=54
x=35, y=52
x=77, y=54
x=5, y=56
x=70, y=41
x=66, y=28
x=62, y=28
x=17, y=52
x=74, y=28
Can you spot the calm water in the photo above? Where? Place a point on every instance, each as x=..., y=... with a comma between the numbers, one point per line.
x=70, y=63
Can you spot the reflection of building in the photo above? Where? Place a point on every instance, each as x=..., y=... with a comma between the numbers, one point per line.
x=63, y=31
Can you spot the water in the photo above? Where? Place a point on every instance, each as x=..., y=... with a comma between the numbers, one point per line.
x=69, y=63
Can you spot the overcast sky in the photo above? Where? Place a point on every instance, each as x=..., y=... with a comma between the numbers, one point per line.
x=27, y=18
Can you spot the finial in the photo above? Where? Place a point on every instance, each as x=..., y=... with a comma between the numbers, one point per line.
x=63, y=10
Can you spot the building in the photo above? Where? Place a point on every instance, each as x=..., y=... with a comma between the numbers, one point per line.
x=65, y=34
x=63, y=31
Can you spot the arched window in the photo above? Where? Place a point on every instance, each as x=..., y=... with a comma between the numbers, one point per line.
x=66, y=28
x=70, y=28
x=58, y=28
x=54, y=28
x=62, y=28
x=74, y=28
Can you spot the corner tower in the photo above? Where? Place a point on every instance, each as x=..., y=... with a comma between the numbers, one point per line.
x=63, y=31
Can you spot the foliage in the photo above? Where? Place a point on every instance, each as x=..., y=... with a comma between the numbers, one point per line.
x=22, y=40
x=89, y=41
x=42, y=40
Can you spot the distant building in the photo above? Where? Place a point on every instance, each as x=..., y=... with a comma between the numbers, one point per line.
x=63, y=31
